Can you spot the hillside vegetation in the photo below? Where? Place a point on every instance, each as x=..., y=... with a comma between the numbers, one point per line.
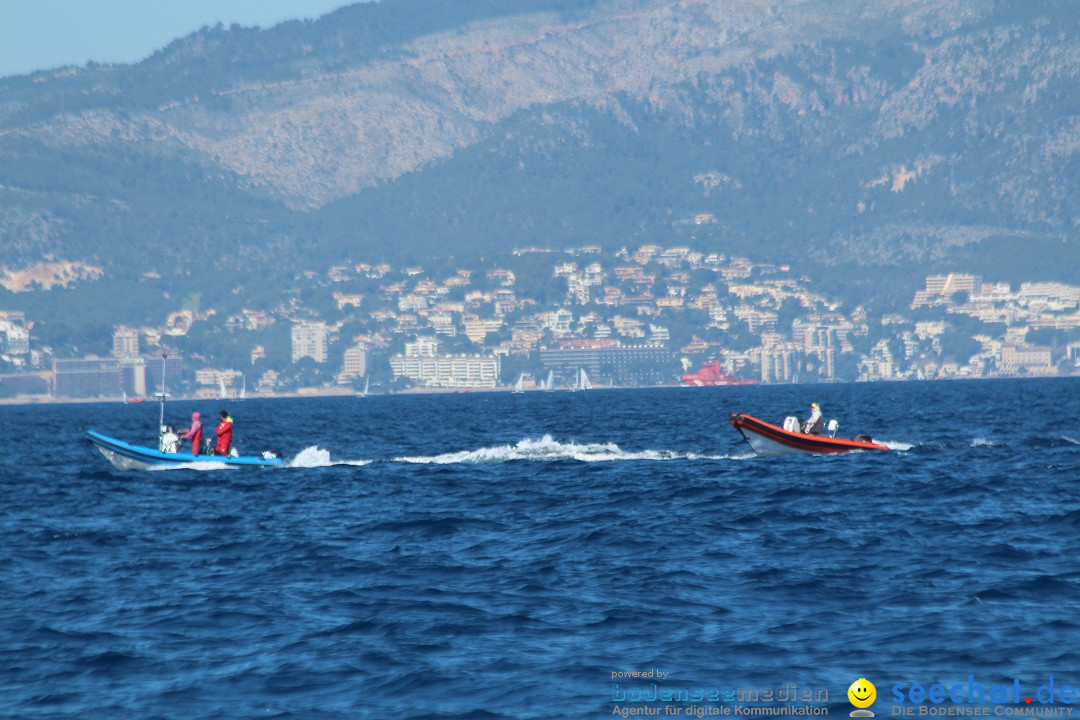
x=867, y=142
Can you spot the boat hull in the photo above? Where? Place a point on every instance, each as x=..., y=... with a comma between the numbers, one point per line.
x=712, y=375
x=125, y=456
x=768, y=439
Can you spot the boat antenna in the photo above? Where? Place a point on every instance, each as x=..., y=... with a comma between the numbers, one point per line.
x=161, y=415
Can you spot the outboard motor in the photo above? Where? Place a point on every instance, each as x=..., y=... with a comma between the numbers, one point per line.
x=831, y=427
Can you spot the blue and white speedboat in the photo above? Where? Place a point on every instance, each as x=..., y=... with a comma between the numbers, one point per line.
x=125, y=456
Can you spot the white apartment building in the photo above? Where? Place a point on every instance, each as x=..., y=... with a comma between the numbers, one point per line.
x=310, y=339
x=422, y=347
x=559, y=321
x=423, y=364
x=14, y=339
x=779, y=362
x=477, y=328
x=1033, y=359
x=941, y=287
x=125, y=342
x=355, y=363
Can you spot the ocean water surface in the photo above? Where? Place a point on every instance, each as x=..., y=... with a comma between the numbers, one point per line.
x=491, y=555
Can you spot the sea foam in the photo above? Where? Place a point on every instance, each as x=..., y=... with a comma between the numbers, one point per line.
x=548, y=449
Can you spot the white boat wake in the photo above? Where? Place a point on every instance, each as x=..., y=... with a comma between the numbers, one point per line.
x=310, y=457
x=315, y=457
x=200, y=466
x=547, y=449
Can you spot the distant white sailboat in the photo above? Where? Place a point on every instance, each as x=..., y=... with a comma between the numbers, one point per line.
x=243, y=388
x=518, y=384
x=550, y=380
x=221, y=388
x=582, y=382
x=366, y=382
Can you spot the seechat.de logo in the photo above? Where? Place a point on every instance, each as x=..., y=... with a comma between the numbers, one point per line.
x=862, y=695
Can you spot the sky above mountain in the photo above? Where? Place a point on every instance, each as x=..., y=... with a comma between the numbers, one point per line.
x=46, y=34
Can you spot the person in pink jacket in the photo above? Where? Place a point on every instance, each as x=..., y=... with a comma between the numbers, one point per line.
x=193, y=433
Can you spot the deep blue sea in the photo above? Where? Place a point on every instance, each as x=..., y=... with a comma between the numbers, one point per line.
x=491, y=555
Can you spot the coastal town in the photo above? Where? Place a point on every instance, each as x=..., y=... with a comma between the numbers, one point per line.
x=577, y=318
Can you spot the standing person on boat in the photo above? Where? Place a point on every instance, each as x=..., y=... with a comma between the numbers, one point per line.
x=224, y=434
x=170, y=441
x=815, y=423
x=193, y=433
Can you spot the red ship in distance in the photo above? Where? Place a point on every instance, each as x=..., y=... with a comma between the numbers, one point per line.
x=712, y=374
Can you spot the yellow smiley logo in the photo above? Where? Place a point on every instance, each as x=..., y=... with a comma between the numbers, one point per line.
x=862, y=693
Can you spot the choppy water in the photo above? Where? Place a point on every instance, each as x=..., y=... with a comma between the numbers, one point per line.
x=500, y=556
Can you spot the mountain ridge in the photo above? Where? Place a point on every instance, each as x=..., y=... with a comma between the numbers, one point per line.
x=852, y=135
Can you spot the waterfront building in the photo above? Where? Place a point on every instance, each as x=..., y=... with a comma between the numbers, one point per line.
x=1028, y=359
x=355, y=364
x=423, y=363
x=87, y=377
x=779, y=362
x=310, y=339
x=608, y=360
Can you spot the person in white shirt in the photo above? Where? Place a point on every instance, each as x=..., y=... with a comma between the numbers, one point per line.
x=815, y=423
x=170, y=441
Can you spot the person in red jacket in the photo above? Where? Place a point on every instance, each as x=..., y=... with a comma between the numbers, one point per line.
x=193, y=433
x=224, y=434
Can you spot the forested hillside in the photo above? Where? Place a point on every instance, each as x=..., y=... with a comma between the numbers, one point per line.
x=869, y=142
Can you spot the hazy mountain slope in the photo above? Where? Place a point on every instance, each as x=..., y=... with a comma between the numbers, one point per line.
x=869, y=134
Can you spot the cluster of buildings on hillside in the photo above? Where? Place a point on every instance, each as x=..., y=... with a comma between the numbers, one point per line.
x=1034, y=306
x=634, y=318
